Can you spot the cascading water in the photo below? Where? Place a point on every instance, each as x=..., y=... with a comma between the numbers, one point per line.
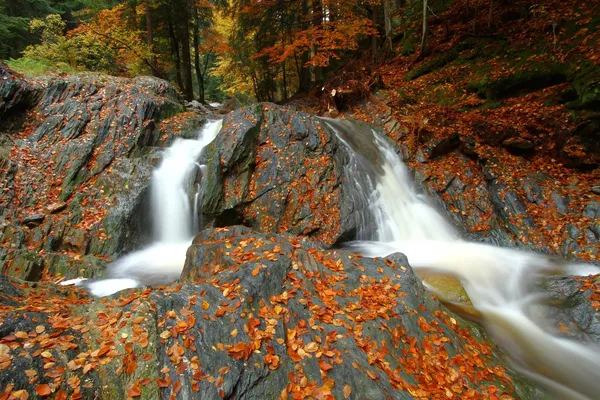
x=500, y=282
x=174, y=227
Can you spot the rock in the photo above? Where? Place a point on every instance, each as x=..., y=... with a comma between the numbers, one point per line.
x=276, y=315
x=33, y=220
x=56, y=207
x=518, y=145
x=467, y=146
x=278, y=170
x=596, y=189
x=490, y=134
x=197, y=107
x=78, y=177
x=16, y=95
x=582, y=149
x=441, y=147
x=26, y=265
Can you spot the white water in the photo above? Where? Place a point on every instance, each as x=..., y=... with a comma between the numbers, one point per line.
x=162, y=262
x=500, y=282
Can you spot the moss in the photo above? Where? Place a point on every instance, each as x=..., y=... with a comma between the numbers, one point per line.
x=30, y=67
x=443, y=96
x=586, y=81
x=525, y=80
x=433, y=65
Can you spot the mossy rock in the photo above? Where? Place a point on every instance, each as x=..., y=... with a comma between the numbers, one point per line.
x=523, y=81
x=433, y=65
x=586, y=82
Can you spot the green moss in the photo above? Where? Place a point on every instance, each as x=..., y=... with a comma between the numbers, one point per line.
x=443, y=96
x=586, y=81
x=433, y=65
x=30, y=67
x=523, y=80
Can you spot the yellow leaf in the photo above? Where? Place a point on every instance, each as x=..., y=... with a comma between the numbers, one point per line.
x=347, y=391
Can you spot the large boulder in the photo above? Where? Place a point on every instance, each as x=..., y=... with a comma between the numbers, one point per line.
x=74, y=178
x=279, y=170
x=254, y=316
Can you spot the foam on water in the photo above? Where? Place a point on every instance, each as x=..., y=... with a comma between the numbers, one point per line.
x=162, y=262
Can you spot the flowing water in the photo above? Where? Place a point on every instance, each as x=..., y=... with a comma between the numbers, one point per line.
x=500, y=282
x=174, y=224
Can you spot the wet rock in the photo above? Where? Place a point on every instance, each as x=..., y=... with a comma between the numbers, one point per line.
x=441, y=147
x=278, y=170
x=79, y=181
x=33, y=220
x=518, y=145
x=275, y=316
x=56, y=207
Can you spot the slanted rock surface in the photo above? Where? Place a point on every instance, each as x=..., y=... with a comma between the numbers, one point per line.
x=278, y=170
x=76, y=156
x=255, y=316
x=498, y=197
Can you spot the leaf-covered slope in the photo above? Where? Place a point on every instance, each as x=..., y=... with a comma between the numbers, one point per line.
x=254, y=317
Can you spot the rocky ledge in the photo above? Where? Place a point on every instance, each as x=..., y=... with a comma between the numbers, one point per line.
x=254, y=316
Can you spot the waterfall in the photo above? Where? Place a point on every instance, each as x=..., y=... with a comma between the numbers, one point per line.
x=174, y=226
x=500, y=282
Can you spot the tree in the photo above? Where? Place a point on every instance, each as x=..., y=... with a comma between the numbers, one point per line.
x=425, y=34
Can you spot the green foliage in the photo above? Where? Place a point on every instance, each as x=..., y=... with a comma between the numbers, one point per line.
x=80, y=51
x=13, y=34
x=16, y=15
x=29, y=67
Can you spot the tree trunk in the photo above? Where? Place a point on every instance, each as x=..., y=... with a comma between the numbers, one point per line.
x=304, y=76
x=318, y=21
x=425, y=37
x=490, y=14
x=199, y=74
x=175, y=52
x=387, y=17
x=284, y=81
x=374, y=44
x=475, y=17
x=149, y=38
x=186, y=59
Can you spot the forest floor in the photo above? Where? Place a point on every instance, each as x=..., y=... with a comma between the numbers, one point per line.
x=523, y=89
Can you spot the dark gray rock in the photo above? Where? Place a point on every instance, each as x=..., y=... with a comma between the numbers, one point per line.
x=79, y=180
x=278, y=170
x=255, y=316
x=33, y=220
x=441, y=147
x=16, y=95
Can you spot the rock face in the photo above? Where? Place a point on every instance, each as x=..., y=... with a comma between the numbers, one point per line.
x=74, y=177
x=495, y=196
x=16, y=95
x=278, y=170
x=255, y=316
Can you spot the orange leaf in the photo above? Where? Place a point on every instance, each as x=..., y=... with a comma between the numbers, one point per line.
x=134, y=391
x=324, y=366
x=43, y=390
x=347, y=391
